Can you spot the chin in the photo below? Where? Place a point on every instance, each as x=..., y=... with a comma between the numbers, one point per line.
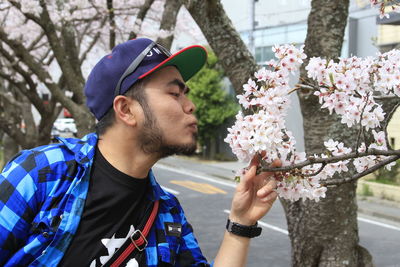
x=178, y=149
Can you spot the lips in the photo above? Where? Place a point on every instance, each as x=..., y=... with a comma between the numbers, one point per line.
x=193, y=126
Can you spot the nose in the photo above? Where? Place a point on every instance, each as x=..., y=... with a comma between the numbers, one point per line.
x=189, y=107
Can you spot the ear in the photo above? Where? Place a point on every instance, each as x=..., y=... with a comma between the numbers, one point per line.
x=124, y=108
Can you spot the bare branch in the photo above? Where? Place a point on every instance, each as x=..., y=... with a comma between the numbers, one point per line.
x=308, y=87
x=35, y=42
x=111, y=19
x=27, y=15
x=37, y=68
x=360, y=125
x=9, y=98
x=92, y=43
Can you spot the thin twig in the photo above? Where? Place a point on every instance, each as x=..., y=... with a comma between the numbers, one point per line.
x=317, y=172
x=312, y=160
x=361, y=128
x=359, y=175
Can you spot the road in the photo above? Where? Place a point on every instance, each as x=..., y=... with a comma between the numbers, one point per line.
x=206, y=200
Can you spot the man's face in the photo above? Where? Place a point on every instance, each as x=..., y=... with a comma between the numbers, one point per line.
x=169, y=126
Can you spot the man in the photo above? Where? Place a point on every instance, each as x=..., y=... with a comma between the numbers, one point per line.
x=89, y=202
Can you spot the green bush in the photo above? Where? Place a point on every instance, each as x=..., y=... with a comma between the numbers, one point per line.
x=214, y=106
x=389, y=177
x=366, y=191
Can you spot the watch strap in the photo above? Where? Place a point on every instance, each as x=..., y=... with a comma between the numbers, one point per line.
x=243, y=230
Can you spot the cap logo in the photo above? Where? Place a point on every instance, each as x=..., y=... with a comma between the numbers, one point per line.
x=151, y=52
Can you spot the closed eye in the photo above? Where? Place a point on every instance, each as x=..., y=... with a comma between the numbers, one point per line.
x=175, y=94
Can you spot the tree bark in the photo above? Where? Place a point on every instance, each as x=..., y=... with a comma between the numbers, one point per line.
x=139, y=18
x=322, y=233
x=238, y=63
x=111, y=18
x=325, y=233
x=10, y=148
x=168, y=22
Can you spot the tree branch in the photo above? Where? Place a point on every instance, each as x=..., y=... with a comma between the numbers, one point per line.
x=313, y=160
x=92, y=43
x=235, y=58
x=37, y=68
x=111, y=19
x=139, y=18
x=379, y=165
x=168, y=22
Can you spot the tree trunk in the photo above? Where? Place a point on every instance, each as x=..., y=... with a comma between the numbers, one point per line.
x=325, y=233
x=322, y=233
x=10, y=148
x=168, y=21
x=139, y=18
x=236, y=60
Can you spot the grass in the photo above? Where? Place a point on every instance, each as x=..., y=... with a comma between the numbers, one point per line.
x=366, y=191
x=384, y=181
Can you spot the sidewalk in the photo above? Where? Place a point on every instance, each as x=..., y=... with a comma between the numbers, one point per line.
x=371, y=206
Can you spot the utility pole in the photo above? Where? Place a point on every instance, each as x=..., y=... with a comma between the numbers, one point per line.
x=252, y=26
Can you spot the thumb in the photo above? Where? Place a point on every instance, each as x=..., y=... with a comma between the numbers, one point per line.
x=276, y=163
x=250, y=173
x=247, y=178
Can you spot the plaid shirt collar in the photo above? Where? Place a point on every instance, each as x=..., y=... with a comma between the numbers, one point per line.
x=84, y=150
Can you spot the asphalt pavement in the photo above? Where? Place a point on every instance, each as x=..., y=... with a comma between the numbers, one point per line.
x=205, y=190
x=371, y=206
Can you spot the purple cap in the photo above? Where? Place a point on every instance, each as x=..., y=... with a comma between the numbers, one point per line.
x=105, y=77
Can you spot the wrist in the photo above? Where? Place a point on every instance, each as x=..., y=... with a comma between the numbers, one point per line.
x=248, y=231
x=243, y=221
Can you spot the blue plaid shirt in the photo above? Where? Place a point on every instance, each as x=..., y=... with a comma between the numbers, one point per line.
x=42, y=196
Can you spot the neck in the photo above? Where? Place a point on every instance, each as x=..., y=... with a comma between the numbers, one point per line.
x=124, y=153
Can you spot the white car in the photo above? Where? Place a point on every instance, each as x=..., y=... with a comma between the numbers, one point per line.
x=66, y=125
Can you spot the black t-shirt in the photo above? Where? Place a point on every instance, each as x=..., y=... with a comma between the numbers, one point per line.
x=115, y=205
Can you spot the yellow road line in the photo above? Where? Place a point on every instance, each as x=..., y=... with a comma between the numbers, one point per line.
x=199, y=187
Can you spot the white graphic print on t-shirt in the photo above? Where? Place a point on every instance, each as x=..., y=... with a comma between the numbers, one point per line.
x=113, y=244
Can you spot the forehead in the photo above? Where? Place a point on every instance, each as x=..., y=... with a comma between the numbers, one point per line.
x=164, y=75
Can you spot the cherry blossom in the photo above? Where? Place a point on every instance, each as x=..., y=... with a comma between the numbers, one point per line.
x=381, y=4
x=347, y=87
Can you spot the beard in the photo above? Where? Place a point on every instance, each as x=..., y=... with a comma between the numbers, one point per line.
x=152, y=140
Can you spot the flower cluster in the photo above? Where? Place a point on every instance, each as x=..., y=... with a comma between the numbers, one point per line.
x=348, y=88
x=264, y=132
x=381, y=4
x=267, y=96
x=363, y=163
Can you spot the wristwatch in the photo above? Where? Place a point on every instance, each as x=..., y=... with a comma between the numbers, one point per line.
x=243, y=230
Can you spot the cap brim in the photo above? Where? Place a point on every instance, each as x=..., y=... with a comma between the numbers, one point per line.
x=188, y=61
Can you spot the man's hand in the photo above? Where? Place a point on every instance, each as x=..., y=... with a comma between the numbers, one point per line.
x=254, y=195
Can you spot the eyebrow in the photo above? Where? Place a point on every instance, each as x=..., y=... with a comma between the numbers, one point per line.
x=182, y=86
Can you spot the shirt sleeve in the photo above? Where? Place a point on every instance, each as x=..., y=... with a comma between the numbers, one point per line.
x=189, y=253
x=17, y=203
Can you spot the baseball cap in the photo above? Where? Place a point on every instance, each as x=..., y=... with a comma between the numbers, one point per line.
x=131, y=61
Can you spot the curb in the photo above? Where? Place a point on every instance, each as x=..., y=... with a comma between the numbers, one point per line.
x=379, y=215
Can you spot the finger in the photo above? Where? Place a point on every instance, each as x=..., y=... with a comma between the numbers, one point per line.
x=270, y=198
x=247, y=177
x=267, y=189
x=276, y=163
x=250, y=173
x=255, y=160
